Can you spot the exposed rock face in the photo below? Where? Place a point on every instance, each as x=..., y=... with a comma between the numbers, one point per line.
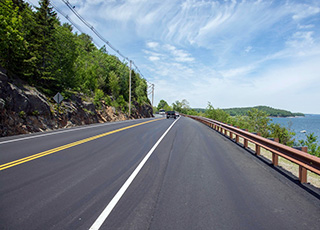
x=141, y=111
x=23, y=109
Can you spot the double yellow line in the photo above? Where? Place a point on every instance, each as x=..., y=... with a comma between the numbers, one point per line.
x=50, y=151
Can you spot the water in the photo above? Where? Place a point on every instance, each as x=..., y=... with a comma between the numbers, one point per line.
x=310, y=123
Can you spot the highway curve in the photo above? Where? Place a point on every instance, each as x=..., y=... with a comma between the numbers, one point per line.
x=194, y=178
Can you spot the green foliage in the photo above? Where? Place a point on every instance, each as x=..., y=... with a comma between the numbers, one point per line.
x=22, y=114
x=122, y=104
x=285, y=135
x=107, y=100
x=12, y=43
x=162, y=104
x=258, y=121
x=268, y=110
x=181, y=106
x=98, y=96
x=240, y=121
x=51, y=57
x=35, y=113
x=141, y=88
x=65, y=57
x=311, y=143
x=199, y=110
x=42, y=45
x=216, y=114
x=192, y=112
x=114, y=84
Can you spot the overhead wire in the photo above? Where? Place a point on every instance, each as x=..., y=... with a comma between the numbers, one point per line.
x=94, y=31
x=102, y=38
x=66, y=16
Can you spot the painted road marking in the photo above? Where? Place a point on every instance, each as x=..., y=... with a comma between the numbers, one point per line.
x=62, y=131
x=105, y=213
x=50, y=151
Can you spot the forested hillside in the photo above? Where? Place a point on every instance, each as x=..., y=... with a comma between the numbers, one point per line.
x=39, y=49
x=268, y=110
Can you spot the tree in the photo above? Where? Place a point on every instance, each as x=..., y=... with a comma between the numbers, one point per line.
x=162, y=104
x=284, y=135
x=114, y=84
x=42, y=45
x=258, y=121
x=141, y=91
x=216, y=114
x=64, y=58
x=13, y=46
x=181, y=107
x=311, y=143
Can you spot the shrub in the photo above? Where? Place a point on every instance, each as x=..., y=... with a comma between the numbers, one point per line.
x=22, y=114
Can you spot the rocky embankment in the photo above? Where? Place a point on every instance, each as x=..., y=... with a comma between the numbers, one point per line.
x=23, y=109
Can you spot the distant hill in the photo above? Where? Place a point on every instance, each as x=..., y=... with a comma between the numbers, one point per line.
x=199, y=110
x=272, y=112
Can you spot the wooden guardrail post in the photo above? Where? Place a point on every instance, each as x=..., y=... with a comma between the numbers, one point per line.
x=258, y=147
x=275, y=157
x=237, y=137
x=302, y=170
x=245, y=141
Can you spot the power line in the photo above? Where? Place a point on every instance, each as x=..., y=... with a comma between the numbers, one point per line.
x=94, y=30
x=102, y=38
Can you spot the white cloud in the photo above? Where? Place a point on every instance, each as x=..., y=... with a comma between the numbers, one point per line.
x=154, y=58
x=152, y=45
x=232, y=53
x=301, y=39
x=310, y=26
x=179, y=54
x=248, y=49
x=238, y=72
x=304, y=11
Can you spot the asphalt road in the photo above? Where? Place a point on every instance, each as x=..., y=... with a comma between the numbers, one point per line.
x=194, y=179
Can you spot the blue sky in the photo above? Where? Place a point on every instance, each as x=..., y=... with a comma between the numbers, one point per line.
x=232, y=53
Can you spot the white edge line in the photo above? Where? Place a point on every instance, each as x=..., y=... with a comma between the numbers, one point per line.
x=62, y=131
x=105, y=213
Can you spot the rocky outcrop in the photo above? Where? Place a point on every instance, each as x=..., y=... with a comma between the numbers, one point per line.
x=23, y=109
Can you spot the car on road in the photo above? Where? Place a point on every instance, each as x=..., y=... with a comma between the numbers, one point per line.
x=171, y=114
x=162, y=112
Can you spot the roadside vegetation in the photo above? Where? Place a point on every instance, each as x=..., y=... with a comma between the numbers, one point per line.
x=36, y=47
x=254, y=120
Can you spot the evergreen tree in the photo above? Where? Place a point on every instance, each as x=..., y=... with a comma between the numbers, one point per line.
x=64, y=58
x=43, y=44
x=12, y=43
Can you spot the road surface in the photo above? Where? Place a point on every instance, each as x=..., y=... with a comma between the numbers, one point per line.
x=192, y=178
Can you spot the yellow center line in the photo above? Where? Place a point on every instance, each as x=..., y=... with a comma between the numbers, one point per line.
x=50, y=151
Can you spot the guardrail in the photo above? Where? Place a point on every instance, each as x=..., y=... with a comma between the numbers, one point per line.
x=299, y=157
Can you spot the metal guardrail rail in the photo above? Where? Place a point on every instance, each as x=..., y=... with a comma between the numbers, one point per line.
x=299, y=157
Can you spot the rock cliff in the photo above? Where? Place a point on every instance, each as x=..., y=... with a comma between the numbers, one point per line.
x=23, y=109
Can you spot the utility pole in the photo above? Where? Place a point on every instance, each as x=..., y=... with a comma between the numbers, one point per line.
x=152, y=94
x=130, y=90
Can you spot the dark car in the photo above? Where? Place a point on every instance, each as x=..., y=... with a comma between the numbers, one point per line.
x=171, y=114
